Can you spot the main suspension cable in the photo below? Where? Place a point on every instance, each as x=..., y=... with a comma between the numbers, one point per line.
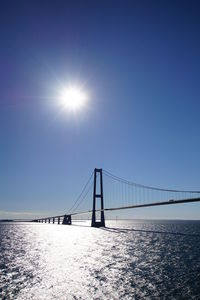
x=82, y=192
x=145, y=186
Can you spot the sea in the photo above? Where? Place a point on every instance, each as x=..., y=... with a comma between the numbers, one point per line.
x=129, y=259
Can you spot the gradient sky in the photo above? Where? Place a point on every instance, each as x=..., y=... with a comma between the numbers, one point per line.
x=139, y=61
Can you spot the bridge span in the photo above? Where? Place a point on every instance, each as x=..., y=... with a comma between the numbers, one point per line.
x=129, y=196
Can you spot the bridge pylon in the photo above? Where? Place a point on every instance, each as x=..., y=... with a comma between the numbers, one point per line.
x=96, y=196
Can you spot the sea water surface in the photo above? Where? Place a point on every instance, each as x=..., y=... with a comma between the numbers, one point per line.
x=126, y=260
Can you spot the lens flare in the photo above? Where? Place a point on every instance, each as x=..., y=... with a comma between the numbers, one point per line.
x=73, y=98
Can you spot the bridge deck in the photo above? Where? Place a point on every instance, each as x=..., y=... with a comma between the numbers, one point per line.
x=169, y=202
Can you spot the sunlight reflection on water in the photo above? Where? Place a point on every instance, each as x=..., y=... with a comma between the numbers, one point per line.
x=126, y=260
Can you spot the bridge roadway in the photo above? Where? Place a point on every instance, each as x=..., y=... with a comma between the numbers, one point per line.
x=169, y=202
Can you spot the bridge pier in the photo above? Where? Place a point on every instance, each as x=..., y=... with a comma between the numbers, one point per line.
x=67, y=220
x=96, y=196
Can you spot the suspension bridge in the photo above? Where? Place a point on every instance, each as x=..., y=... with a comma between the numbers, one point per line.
x=109, y=193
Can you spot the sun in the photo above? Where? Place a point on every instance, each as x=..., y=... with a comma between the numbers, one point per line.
x=73, y=98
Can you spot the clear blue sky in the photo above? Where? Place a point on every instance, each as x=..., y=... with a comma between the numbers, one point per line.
x=139, y=62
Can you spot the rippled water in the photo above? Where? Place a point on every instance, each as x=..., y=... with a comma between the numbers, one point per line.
x=126, y=260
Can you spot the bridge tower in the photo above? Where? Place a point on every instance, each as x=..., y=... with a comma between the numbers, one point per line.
x=98, y=196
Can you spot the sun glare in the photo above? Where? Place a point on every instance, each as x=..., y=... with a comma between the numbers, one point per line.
x=73, y=98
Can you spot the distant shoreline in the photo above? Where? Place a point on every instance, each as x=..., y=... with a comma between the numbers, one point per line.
x=81, y=220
